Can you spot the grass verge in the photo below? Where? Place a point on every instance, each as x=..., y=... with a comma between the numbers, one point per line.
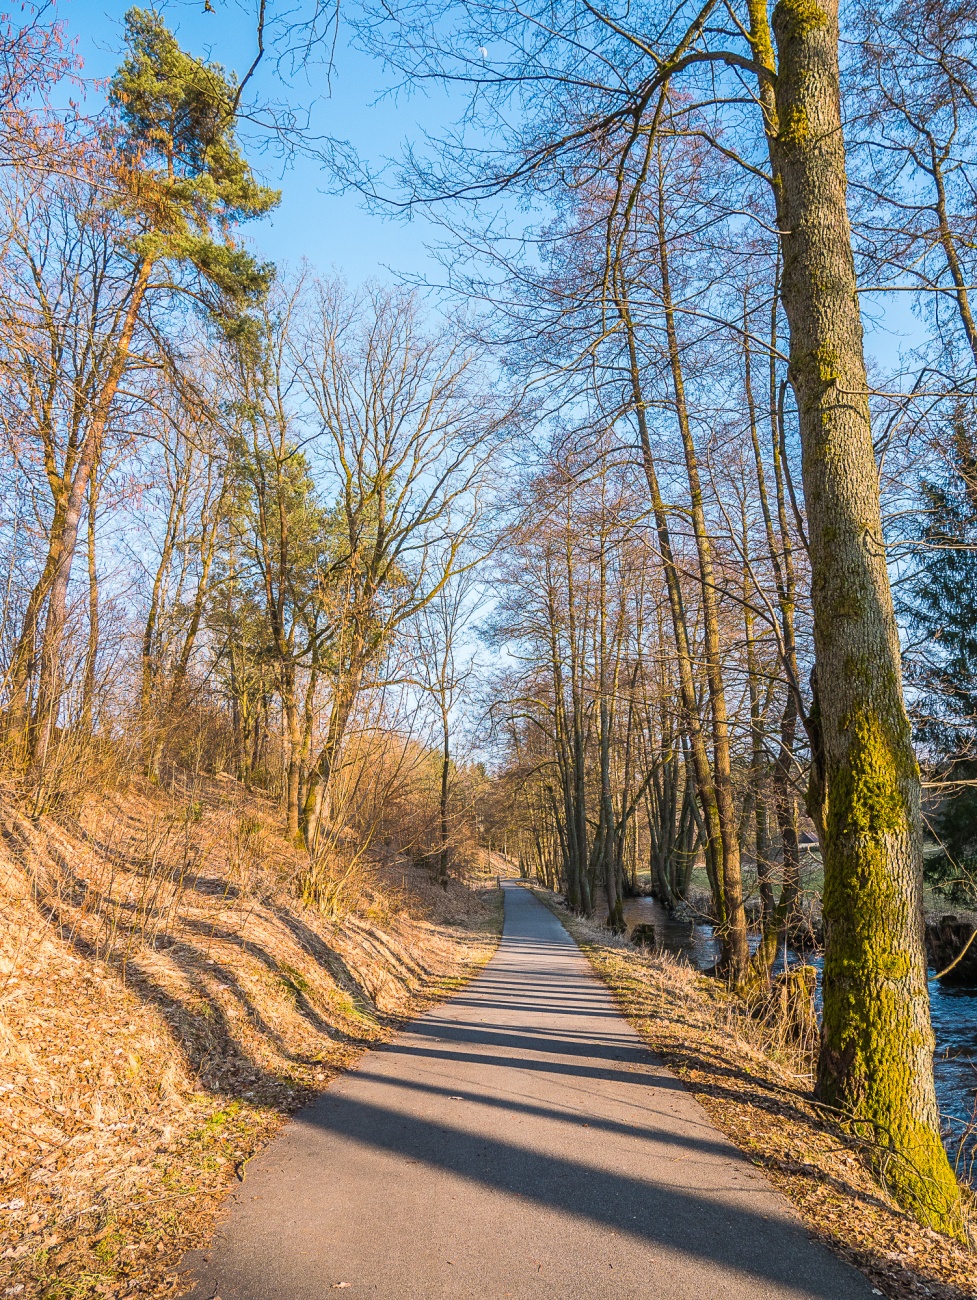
x=758, y=1093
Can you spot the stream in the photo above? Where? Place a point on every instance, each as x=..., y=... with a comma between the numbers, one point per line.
x=953, y=1009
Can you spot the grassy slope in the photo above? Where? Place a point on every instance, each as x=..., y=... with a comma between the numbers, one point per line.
x=165, y=1003
x=756, y=1089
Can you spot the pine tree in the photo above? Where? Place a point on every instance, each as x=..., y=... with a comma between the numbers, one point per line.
x=939, y=609
x=176, y=185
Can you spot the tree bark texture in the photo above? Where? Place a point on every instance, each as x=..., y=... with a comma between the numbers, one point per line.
x=63, y=545
x=877, y=1043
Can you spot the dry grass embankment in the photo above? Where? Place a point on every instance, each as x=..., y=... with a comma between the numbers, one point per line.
x=166, y=1002
x=756, y=1090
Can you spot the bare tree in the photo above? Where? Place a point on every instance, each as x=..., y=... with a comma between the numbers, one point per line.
x=407, y=434
x=596, y=90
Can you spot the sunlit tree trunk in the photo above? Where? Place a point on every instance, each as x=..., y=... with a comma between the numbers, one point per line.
x=443, y=800
x=150, y=666
x=780, y=554
x=315, y=807
x=63, y=545
x=755, y=803
x=211, y=520
x=701, y=765
x=91, y=648
x=876, y=1060
x=733, y=929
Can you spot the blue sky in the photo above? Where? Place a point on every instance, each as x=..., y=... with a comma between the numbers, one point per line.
x=332, y=232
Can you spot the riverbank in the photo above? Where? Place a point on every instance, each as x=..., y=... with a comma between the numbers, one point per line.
x=757, y=1090
x=689, y=935
x=166, y=1002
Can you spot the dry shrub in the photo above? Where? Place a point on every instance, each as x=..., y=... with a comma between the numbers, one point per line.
x=165, y=1001
x=335, y=883
x=388, y=794
x=754, y=1079
x=75, y=763
x=388, y=791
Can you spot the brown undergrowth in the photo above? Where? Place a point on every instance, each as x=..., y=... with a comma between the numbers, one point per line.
x=166, y=1002
x=757, y=1091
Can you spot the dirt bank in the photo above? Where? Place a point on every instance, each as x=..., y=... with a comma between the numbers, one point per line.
x=166, y=1002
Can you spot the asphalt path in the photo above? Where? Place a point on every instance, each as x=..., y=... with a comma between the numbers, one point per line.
x=517, y=1141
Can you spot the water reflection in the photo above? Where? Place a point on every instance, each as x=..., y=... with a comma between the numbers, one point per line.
x=693, y=941
x=954, y=1012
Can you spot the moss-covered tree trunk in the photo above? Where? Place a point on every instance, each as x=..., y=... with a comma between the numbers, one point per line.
x=877, y=1043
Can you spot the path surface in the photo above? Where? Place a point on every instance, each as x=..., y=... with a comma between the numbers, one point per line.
x=517, y=1141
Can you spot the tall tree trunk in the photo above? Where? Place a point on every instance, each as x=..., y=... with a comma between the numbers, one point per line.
x=577, y=831
x=315, y=807
x=91, y=649
x=756, y=795
x=876, y=1060
x=701, y=766
x=782, y=564
x=293, y=742
x=308, y=721
x=49, y=683
x=563, y=742
x=443, y=799
x=209, y=534
x=607, y=823
x=150, y=649
x=733, y=930
x=24, y=659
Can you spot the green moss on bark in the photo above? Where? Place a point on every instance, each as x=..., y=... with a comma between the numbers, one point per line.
x=871, y=1028
x=796, y=20
x=876, y=1060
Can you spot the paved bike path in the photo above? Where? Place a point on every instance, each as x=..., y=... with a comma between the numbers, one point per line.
x=518, y=1141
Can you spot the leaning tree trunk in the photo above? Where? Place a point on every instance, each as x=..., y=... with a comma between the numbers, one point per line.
x=52, y=642
x=876, y=1063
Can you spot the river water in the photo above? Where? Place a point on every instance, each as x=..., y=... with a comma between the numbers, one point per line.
x=954, y=1013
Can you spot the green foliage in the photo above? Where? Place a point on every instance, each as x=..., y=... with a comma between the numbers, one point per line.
x=218, y=1120
x=942, y=666
x=953, y=868
x=185, y=177
x=282, y=532
x=294, y=981
x=232, y=271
